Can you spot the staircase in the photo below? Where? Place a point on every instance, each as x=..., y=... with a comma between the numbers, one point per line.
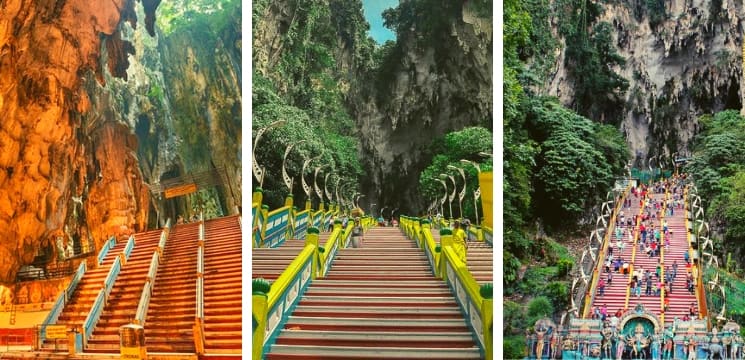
x=680, y=299
x=79, y=305
x=170, y=316
x=480, y=261
x=380, y=301
x=125, y=295
x=269, y=263
x=222, y=286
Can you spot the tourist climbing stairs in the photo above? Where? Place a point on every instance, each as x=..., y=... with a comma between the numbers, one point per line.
x=222, y=286
x=618, y=292
x=79, y=305
x=379, y=301
x=125, y=295
x=170, y=315
x=680, y=299
x=642, y=262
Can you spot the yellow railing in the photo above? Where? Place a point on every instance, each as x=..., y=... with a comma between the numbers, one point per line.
x=301, y=269
x=634, y=244
x=597, y=272
x=448, y=266
x=703, y=311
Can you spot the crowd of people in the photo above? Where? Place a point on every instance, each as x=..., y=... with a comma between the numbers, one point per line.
x=650, y=282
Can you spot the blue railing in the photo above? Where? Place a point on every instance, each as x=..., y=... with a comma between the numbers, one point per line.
x=276, y=228
x=61, y=301
x=282, y=302
x=147, y=291
x=129, y=247
x=105, y=249
x=301, y=225
x=90, y=321
x=488, y=237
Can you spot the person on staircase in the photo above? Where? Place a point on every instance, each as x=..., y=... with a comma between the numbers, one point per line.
x=357, y=232
x=459, y=241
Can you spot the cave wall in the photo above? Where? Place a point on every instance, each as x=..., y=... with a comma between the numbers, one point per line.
x=688, y=65
x=202, y=79
x=436, y=87
x=45, y=49
x=89, y=121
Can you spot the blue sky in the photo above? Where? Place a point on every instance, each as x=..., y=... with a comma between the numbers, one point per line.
x=373, y=10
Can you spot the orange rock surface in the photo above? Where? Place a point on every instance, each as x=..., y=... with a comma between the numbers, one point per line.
x=47, y=155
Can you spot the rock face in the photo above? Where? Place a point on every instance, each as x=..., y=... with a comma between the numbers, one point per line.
x=88, y=121
x=436, y=87
x=202, y=77
x=687, y=65
x=46, y=152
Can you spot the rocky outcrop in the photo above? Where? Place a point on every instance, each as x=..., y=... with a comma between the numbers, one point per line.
x=688, y=64
x=202, y=78
x=436, y=86
x=89, y=123
x=48, y=157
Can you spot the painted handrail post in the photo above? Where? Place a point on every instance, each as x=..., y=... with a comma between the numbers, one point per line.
x=265, y=215
x=340, y=239
x=418, y=232
x=446, y=240
x=425, y=227
x=487, y=311
x=312, y=239
x=258, y=197
x=260, y=311
x=198, y=329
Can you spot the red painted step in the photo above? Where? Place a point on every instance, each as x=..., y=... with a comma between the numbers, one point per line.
x=125, y=295
x=170, y=316
x=223, y=283
x=361, y=311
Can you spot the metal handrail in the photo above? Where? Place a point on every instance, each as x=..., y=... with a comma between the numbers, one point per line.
x=105, y=249
x=90, y=321
x=129, y=247
x=144, y=303
x=59, y=305
x=198, y=329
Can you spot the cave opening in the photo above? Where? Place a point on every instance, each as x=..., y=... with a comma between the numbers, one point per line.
x=733, y=101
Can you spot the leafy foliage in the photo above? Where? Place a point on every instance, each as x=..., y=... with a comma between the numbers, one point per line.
x=577, y=163
x=592, y=57
x=207, y=15
x=465, y=144
x=718, y=168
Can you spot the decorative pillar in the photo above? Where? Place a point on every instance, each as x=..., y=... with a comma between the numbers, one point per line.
x=312, y=239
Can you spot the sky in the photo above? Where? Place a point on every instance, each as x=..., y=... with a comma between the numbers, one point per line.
x=373, y=10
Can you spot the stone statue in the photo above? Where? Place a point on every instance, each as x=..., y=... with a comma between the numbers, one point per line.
x=540, y=332
x=620, y=347
x=656, y=346
x=638, y=341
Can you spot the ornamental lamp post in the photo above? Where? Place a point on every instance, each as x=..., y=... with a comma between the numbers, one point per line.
x=477, y=192
x=315, y=184
x=259, y=171
x=452, y=195
x=306, y=187
x=442, y=201
x=462, y=193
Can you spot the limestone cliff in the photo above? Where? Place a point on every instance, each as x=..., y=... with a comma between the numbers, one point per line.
x=88, y=121
x=680, y=64
x=47, y=154
x=432, y=85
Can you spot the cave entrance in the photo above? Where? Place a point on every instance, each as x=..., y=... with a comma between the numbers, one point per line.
x=189, y=194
